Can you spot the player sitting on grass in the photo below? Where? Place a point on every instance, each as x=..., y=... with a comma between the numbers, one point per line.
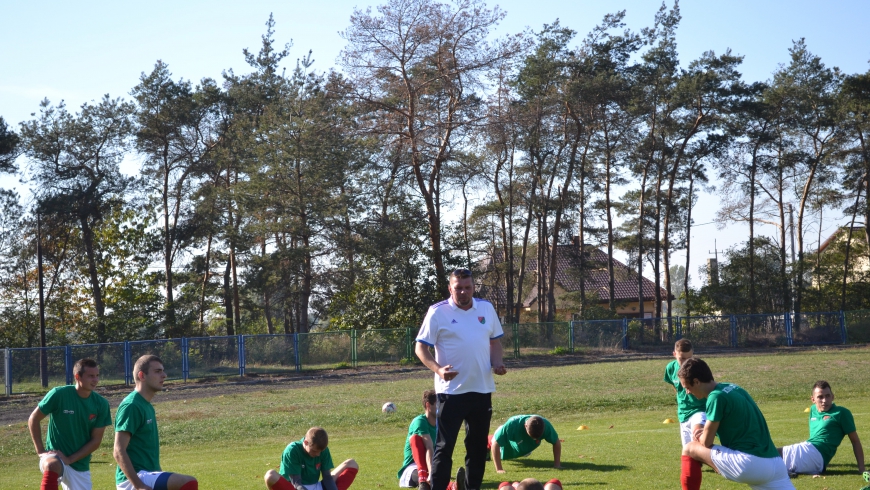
x=531, y=484
x=137, y=441
x=828, y=424
x=420, y=446
x=79, y=417
x=746, y=454
x=305, y=462
x=690, y=410
x=521, y=435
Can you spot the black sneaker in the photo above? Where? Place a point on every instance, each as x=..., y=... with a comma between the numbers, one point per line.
x=424, y=485
x=460, y=478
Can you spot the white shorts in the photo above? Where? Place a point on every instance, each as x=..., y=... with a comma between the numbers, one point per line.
x=698, y=418
x=407, y=475
x=803, y=458
x=70, y=479
x=147, y=477
x=759, y=473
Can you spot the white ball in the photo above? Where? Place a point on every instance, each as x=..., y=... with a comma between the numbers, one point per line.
x=388, y=407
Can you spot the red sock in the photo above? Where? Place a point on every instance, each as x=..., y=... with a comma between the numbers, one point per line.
x=191, y=485
x=49, y=481
x=555, y=481
x=451, y=485
x=345, y=478
x=418, y=449
x=283, y=484
x=690, y=473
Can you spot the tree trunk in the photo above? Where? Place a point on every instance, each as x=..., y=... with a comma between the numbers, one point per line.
x=96, y=289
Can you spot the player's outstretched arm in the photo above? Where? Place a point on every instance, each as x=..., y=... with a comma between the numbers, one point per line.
x=430, y=450
x=122, y=440
x=89, y=447
x=495, y=450
x=557, y=454
x=858, y=450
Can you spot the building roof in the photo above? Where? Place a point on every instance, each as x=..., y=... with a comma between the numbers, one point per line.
x=568, y=277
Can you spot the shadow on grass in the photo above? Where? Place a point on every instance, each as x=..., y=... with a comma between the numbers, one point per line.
x=570, y=465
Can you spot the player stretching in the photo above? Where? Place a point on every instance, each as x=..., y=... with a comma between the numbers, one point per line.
x=747, y=454
x=521, y=435
x=828, y=424
x=420, y=446
x=305, y=462
x=137, y=443
x=690, y=410
x=79, y=417
x=531, y=484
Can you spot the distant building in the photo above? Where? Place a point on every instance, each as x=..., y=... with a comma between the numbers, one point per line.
x=859, y=262
x=567, y=288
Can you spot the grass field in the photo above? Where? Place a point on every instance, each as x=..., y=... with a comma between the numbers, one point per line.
x=229, y=441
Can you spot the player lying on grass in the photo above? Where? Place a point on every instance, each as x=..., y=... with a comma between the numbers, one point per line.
x=531, y=484
x=307, y=465
x=828, y=424
x=79, y=417
x=521, y=435
x=137, y=441
x=420, y=446
x=746, y=454
x=690, y=410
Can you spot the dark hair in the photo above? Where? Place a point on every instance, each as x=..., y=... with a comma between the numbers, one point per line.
x=683, y=345
x=530, y=484
x=143, y=364
x=430, y=397
x=81, y=364
x=535, y=426
x=822, y=385
x=460, y=273
x=317, y=437
x=695, y=368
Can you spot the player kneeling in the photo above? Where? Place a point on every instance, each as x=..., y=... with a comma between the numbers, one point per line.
x=307, y=465
x=747, y=454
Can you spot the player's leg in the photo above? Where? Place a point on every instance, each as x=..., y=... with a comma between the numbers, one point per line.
x=802, y=458
x=275, y=481
x=345, y=473
x=177, y=481
x=418, y=450
x=694, y=453
x=451, y=414
x=51, y=468
x=690, y=468
x=476, y=431
x=75, y=480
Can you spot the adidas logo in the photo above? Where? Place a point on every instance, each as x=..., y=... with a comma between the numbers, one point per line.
x=454, y=321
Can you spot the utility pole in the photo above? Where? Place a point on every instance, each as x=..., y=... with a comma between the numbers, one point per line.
x=43, y=355
x=791, y=226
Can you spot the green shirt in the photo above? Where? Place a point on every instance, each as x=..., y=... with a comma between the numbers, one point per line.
x=419, y=427
x=72, y=420
x=687, y=404
x=296, y=461
x=827, y=429
x=741, y=425
x=136, y=415
x=514, y=441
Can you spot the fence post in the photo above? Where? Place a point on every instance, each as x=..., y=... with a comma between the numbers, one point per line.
x=185, y=366
x=516, y=332
x=296, y=352
x=788, y=332
x=571, y=336
x=68, y=364
x=128, y=368
x=625, y=333
x=733, y=320
x=241, y=355
x=678, y=328
x=7, y=369
x=407, y=342
x=353, y=359
x=843, y=325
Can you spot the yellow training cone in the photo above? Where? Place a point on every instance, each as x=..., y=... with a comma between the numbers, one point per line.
x=807, y=410
x=583, y=427
x=669, y=421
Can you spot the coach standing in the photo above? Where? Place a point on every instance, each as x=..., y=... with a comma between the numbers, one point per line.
x=465, y=333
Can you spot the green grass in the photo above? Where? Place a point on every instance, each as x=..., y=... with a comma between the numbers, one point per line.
x=229, y=441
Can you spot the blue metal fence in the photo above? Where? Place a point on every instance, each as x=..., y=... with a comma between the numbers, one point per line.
x=239, y=355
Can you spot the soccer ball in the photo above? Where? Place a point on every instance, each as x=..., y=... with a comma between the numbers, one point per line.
x=388, y=407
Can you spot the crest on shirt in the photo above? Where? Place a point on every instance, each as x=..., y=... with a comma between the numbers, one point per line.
x=92, y=416
x=826, y=417
x=481, y=319
x=317, y=466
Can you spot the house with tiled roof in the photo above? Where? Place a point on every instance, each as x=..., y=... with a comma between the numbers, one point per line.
x=567, y=287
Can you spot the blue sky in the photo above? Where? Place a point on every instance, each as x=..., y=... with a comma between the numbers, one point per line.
x=78, y=51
